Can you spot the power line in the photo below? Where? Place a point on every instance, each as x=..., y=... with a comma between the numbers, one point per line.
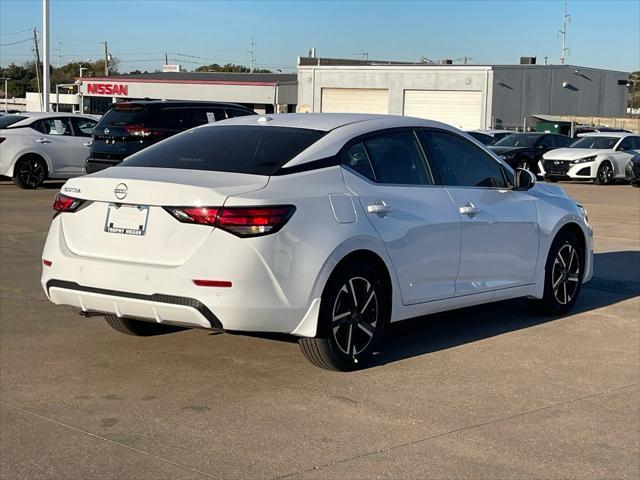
x=30, y=29
x=15, y=43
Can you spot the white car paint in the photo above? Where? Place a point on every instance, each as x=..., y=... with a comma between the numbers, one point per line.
x=64, y=155
x=437, y=258
x=572, y=157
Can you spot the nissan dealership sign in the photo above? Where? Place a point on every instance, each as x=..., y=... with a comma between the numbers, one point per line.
x=110, y=89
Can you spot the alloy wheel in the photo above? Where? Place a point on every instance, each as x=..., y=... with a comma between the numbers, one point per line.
x=354, y=316
x=565, y=274
x=605, y=173
x=31, y=172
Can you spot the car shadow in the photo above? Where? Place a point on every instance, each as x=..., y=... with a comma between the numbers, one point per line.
x=619, y=280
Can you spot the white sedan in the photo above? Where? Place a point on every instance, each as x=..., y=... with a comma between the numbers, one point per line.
x=323, y=226
x=39, y=146
x=601, y=157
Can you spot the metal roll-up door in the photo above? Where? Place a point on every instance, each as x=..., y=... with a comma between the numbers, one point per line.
x=355, y=100
x=462, y=109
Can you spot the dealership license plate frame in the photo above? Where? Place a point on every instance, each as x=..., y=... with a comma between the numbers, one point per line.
x=126, y=219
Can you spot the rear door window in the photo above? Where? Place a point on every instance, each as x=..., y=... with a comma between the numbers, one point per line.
x=248, y=149
x=83, y=127
x=200, y=116
x=355, y=157
x=53, y=126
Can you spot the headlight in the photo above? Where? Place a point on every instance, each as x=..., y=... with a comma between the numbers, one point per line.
x=585, y=159
x=583, y=211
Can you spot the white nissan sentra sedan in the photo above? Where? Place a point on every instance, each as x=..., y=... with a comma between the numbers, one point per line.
x=323, y=226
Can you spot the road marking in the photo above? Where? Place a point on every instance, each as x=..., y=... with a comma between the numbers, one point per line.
x=109, y=441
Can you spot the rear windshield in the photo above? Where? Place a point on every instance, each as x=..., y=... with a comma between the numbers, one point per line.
x=124, y=115
x=7, y=120
x=257, y=150
x=596, y=142
x=518, y=140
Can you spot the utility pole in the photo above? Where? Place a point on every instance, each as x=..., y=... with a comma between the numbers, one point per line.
x=6, y=88
x=59, y=50
x=36, y=51
x=46, y=87
x=545, y=60
x=106, y=59
x=252, y=52
x=166, y=58
x=566, y=18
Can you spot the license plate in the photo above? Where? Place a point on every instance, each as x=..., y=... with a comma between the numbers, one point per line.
x=126, y=219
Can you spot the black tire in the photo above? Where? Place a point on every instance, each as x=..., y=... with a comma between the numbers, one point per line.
x=139, y=328
x=354, y=310
x=29, y=172
x=564, y=270
x=635, y=184
x=605, y=174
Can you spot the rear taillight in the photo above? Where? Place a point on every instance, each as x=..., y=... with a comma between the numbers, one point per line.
x=240, y=221
x=141, y=130
x=62, y=203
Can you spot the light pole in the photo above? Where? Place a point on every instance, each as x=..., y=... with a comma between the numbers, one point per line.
x=6, y=88
x=46, y=81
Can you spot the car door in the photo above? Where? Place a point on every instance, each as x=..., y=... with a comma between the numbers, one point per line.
x=500, y=233
x=57, y=142
x=623, y=153
x=82, y=132
x=415, y=219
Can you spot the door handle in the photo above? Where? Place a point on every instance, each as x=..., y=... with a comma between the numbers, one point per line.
x=43, y=140
x=379, y=207
x=88, y=144
x=469, y=209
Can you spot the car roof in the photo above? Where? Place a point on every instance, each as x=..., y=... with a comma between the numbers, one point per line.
x=30, y=116
x=329, y=121
x=608, y=134
x=182, y=103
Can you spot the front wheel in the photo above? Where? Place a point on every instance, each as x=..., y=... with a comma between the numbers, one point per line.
x=29, y=172
x=563, y=275
x=353, y=312
x=605, y=174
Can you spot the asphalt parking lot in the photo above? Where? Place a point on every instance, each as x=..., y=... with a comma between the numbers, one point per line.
x=486, y=392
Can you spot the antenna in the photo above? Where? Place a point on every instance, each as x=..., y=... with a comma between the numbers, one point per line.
x=252, y=52
x=364, y=55
x=566, y=19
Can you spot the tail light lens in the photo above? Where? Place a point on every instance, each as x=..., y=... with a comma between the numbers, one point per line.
x=62, y=203
x=240, y=221
x=141, y=130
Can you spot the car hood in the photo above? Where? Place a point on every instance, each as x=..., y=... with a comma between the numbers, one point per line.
x=506, y=150
x=572, y=153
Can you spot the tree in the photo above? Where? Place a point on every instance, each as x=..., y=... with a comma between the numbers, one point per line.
x=229, y=67
x=634, y=90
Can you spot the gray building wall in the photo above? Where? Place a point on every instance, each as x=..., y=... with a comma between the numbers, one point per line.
x=522, y=91
x=397, y=79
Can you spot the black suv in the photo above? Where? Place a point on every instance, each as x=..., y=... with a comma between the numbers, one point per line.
x=132, y=126
x=524, y=150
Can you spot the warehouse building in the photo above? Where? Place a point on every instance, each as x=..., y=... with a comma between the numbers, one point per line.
x=263, y=92
x=465, y=96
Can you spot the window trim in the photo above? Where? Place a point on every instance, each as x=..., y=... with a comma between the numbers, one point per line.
x=386, y=131
x=501, y=166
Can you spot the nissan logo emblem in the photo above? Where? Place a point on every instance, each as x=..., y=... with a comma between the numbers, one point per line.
x=555, y=163
x=121, y=191
x=106, y=131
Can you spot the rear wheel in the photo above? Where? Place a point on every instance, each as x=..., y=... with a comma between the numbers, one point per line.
x=353, y=313
x=605, y=174
x=29, y=172
x=563, y=275
x=139, y=328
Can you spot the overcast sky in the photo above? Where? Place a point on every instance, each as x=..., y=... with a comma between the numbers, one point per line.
x=602, y=33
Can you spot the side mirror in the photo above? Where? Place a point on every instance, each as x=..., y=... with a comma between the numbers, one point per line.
x=523, y=179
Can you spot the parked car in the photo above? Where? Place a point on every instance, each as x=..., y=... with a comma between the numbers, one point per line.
x=498, y=133
x=524, y=150
x=582, y=129
x=39, y=146
x=323, y=226
x=483, y=138
x=632, y=172
x=600, y=157
x=129, y=127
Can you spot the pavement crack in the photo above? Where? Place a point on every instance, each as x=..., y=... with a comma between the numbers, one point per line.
x=99, y=437
x=456, y=430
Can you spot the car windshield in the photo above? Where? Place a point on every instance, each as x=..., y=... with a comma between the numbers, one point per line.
x=7, y=120
x=256, y=150
x=604, y=143
x=517, y=140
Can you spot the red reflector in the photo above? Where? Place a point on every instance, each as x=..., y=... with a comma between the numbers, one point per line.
x=47, y=263
x=212, y=283
x=62, y=203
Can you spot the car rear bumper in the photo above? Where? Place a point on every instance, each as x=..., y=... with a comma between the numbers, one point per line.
x=256, y=301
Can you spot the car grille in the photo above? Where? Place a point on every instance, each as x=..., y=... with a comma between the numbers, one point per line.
x=557, y=167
